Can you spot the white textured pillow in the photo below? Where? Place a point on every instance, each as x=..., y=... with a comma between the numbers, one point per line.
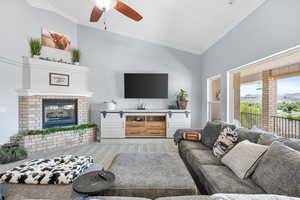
x=226, y=141
x=243, y=158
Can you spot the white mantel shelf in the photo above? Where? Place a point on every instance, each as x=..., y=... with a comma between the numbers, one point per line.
x=35, y=79
x=44, y=64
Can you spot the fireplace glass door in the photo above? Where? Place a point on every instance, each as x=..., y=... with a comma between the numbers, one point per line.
x=59, y=112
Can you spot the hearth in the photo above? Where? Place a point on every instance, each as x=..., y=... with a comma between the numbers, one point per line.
x=59, y=112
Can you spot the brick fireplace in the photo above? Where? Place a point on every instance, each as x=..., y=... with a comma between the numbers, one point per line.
x=44, y=105
x=32, y=114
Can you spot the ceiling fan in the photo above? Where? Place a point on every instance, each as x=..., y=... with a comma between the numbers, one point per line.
x=102, y=6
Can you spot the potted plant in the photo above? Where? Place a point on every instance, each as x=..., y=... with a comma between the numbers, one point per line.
x=76, y=56
x=35, y=47
x=182, y=101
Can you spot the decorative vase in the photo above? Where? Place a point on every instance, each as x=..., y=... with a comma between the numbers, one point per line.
x=182, y=105
x=76, y=63
x=36, y=57
x=110, y=106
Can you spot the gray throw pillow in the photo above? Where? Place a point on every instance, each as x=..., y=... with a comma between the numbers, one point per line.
x=243, y=158
x=279, y=171
x=269, y=139
x=211, y=133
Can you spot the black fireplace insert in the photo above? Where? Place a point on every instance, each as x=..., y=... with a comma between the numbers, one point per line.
x=59, y=112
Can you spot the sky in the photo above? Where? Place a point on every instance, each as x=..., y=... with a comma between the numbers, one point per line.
x=285, y=86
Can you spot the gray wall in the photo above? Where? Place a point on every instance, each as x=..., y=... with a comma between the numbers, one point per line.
x=19, y=22
x=272, y=28
x=110, y=55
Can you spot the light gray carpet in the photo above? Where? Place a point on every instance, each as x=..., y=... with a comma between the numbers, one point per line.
x=104, y=152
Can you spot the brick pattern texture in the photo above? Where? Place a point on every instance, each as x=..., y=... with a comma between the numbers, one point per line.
x=269, y=100
x=35, y=143
x=237, y=95
x=30, y=111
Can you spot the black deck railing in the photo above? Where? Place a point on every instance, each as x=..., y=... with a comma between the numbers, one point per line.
x=286, y=127
x=282, y=126
x=251, y=120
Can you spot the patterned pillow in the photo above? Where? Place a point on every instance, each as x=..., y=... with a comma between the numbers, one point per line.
x=192, y=135
x=226, y=141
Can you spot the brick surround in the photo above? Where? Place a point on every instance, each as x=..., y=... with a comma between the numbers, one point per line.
x=30, y=111
x=35, y=143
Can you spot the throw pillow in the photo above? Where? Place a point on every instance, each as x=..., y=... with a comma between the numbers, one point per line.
x=243, y=158
x=226, y=141
x=279, y=171
x=192, y=135
x=212, y=131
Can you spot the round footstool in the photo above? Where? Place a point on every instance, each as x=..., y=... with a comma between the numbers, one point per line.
x=94, y=183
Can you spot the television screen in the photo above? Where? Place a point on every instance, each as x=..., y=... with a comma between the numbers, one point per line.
x=146, y=86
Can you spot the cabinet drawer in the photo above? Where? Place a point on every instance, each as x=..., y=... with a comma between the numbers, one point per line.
x=135, y=124
x=156, y=125
x=152, y=132
x=135, y=131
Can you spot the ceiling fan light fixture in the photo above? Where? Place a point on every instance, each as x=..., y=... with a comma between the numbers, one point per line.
x=105, y=4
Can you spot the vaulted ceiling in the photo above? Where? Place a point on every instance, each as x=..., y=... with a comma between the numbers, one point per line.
x=189, y=25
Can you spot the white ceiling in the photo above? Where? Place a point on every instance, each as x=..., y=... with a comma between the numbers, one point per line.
x=189, y=25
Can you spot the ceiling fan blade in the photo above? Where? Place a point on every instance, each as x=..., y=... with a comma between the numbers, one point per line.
x=96, y=14
x=127, y=11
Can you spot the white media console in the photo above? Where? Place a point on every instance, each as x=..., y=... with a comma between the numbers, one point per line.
x=143, y=123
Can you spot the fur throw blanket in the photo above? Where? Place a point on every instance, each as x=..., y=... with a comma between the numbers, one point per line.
x=59, y=170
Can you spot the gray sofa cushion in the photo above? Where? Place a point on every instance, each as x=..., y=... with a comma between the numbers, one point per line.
x=196, y=157
x=279, y=171
x=220, y=179
x=185, y=145
x=269, y=139
x=150, y=175
x=200, y=197
x=251, y=135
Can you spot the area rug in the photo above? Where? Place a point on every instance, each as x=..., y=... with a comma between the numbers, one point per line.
x=58, y=170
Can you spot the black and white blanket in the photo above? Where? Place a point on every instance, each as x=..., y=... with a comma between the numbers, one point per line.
x=59, y=170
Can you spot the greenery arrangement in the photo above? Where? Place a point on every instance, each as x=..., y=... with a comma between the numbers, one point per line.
x=288, y=108
x=11, y=153
x=58, y=129
x=75, y=55
x=35, y=47
x=254, y=108
x=182, y=95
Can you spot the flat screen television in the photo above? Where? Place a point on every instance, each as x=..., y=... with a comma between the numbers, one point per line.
x=146, y=86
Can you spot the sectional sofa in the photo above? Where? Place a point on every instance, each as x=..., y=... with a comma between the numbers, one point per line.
x=211, y=176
